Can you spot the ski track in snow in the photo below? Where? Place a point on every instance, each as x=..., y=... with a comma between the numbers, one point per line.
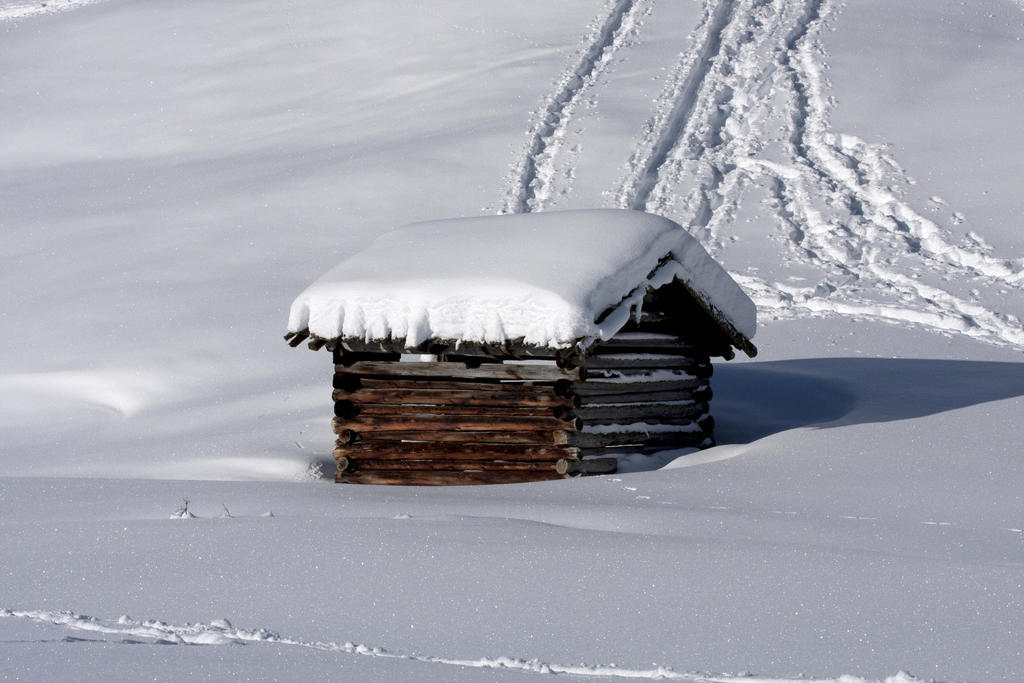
x=753, y=66
x=532, y=180
x=221, y=632
x=23, y=10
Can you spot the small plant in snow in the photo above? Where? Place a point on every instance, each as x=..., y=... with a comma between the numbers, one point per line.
x=183, y=511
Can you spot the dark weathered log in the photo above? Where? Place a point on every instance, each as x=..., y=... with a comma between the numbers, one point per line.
x=701, y=371
x=391, y=450
x=422, y=478
x=363, y=465
x=631, y=361
x=593, y=466
x=704, y=441
x=297, y=337
x=348, y=358
x=654, y=413
x=612, y=347
x=459, y=423
x=585, y=440
x=351, y=409
x=481, y=396
x=515, y=349
x=535, y=437
x=648, y=397
x=458, y=372
x=316, y=343
x=595, y=387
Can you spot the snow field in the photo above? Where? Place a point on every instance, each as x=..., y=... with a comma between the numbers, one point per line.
x=173, y=173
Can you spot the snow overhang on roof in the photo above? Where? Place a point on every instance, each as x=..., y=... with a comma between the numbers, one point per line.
x=551, y=279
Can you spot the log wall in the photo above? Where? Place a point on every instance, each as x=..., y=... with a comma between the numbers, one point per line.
x=467, y=419
x=463, y=420
x=646, y=390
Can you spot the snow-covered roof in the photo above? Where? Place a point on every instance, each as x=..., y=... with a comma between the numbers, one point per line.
x=550, y=279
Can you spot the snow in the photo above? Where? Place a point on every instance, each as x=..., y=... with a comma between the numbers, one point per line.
x=173, y=173
x=546, y=278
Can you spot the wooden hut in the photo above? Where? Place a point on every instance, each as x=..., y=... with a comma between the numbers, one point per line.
x=521, y=347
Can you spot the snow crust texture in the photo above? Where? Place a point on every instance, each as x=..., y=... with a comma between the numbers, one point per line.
x=547, y=278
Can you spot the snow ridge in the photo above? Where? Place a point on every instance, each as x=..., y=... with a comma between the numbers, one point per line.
x=533, y=177
x=221, y=632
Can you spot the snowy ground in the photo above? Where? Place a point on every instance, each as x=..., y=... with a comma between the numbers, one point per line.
x=174, y=174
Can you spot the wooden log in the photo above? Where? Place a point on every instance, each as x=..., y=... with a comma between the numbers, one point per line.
x=704, y=441
x=585, y=390
x=586, y=440
x=631, y=361
x=352, y=383
x=647, y=347
x=316, y=343
x=700, y=371
x=390, y=450
x=426, y=478
x=646, y=397
x=514, y=349
x=351, y=409
x=654, y=413
x=593, y=466
x=534, y=437
x=541, y=396
x=347, y=359
x=363, y=465
x=458, y=423
x=297, y=337
x=458, y=372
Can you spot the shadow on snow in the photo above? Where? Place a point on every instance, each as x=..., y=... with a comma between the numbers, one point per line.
x=754, y=400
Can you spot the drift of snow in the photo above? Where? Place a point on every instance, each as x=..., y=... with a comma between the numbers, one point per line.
x=546, y=278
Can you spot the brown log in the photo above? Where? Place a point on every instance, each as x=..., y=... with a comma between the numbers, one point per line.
x=350, y=409
x=391, y=450
x=534, y=437
x=588, y=440
x=458, y=372
x=362, y=465
x=353, y=383
x=422, y=478
x=458, y=423
x=316, y=343
x=482, y=396
x=654, y=413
